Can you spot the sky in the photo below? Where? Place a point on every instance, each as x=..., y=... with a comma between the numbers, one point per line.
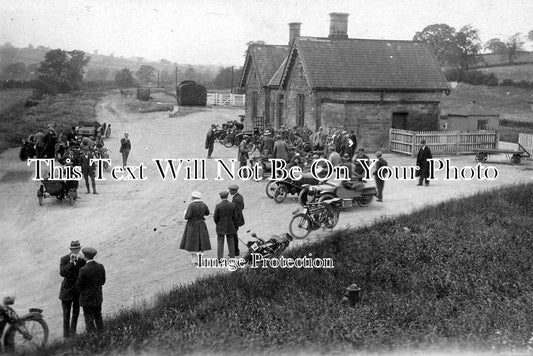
x=215, y=32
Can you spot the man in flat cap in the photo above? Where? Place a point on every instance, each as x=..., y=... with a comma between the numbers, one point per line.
x=90, y=281
x=238, y=201
x=380, y=183
x=69, y=294
x=225, y=216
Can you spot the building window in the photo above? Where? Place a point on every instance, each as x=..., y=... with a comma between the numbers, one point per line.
x=482, y=124
x=300, y=110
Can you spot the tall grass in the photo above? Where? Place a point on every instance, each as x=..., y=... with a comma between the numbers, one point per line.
x=63, y=111
x=458, y=275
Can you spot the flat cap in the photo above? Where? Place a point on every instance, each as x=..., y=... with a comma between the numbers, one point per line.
x=89, y=252
x=233, y=186
x=223, y=195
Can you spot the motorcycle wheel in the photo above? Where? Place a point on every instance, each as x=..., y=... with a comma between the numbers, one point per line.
x=271, y=188
x=228, y=141
x=300, y=226
x=331, y=216
x=365, y=200
x=15, y=341
x=280, y=194
x=221, y=137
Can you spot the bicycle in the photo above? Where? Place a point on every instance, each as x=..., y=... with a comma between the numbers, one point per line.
x=314, y=216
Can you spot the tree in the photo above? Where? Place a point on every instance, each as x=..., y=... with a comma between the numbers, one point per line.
x=61, y=71
x=514, y=46
x=190, y=74
x=440, y=38
x=15, y=71
x=530, y=35
x=124, y=78
x=466, y=47
x=496, y=46
x=223, y=79
x=145, y=73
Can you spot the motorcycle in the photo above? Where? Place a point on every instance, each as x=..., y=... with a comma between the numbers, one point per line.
x=314, y=216
x=25, y=334
x=350, y=193
x=271, y=248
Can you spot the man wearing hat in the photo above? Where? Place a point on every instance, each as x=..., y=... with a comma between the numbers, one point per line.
x=69, y=294
x=422, y=163
x=88, y=169
x=225, y=216
x=281, y=150
x=210, y=140
x=238, y=201
x=90, y=281
x=243, y=151
x=380, y=183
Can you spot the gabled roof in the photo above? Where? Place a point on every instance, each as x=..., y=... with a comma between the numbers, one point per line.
x=361, y=64
x=472, y=109
x=276, y=78
x=265, y=59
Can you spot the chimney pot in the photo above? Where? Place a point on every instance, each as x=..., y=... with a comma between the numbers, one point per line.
x=338, y=25
x=294, y=31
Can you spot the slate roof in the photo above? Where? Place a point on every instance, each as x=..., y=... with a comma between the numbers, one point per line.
x=276, y=78
x=361, y=64
x=266, y=59
x=472, y=109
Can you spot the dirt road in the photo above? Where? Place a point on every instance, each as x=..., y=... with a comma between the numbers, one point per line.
x=136, y=225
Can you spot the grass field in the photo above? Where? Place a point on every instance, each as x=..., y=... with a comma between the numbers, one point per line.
x=63, y=111
x=10, y=97
x=515, y=73
x=456, y=275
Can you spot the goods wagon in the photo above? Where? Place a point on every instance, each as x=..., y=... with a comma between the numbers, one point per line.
x=143, y=94
x=189, y=93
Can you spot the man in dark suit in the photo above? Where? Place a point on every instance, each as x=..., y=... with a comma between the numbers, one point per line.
x=88, y=169
x=422, y=162
x=90, y=281
x=69, y=267
x=238, y=201
x=225, y=217
x=210, y=140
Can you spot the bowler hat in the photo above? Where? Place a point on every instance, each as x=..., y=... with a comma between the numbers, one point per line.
x=75, y=244
x=89, y=252
x=223, y=195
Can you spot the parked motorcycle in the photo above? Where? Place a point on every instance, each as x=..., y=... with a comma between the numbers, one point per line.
x=273, y=247
x=25, y=334
x=350, y=193
x=314, y=216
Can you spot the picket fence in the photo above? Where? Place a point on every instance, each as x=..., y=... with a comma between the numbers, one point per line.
x=225, y=99
x=526, y=140
x=442, y=143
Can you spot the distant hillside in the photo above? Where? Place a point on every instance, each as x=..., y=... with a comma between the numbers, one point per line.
x=514, y=72
x=497, y=59
x=510, y=102
x=31, y=56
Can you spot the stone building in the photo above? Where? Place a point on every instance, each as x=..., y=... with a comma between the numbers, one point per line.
x=368, y=86
x=470, y=118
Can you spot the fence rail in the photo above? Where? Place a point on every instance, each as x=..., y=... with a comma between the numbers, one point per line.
x=442, y=143
x=526, y=140
x=225, y=99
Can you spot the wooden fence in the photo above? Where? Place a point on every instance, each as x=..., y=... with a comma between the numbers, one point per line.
x=526, y=140
x=442, y=143
x=225, y=99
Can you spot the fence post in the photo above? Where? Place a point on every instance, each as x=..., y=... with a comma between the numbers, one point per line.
x=457, y=143
x=413, y=145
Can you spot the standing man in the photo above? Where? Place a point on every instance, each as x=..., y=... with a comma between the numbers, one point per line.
x=281, y=150
x=422, y=163
x=125, y=147
x=90, y=281
x=225, y=217
x=238, y=201
x=88, y=169
x=380, y=183
x=267, y=144
x=210, y=140
x=243, y=156
x=69, y=294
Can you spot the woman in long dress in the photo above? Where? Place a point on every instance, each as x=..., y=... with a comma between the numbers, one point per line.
x=196, y=237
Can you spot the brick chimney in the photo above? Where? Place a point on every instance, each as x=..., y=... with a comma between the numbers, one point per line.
x=294, y=31
x=338, y=25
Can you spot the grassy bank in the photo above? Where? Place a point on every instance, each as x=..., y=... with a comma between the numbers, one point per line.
x=454, y=275
x=63, y=111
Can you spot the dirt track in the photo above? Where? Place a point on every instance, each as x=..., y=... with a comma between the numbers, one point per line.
x=136, y=225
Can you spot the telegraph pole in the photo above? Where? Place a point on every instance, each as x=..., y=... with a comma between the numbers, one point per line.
x=231, y=79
